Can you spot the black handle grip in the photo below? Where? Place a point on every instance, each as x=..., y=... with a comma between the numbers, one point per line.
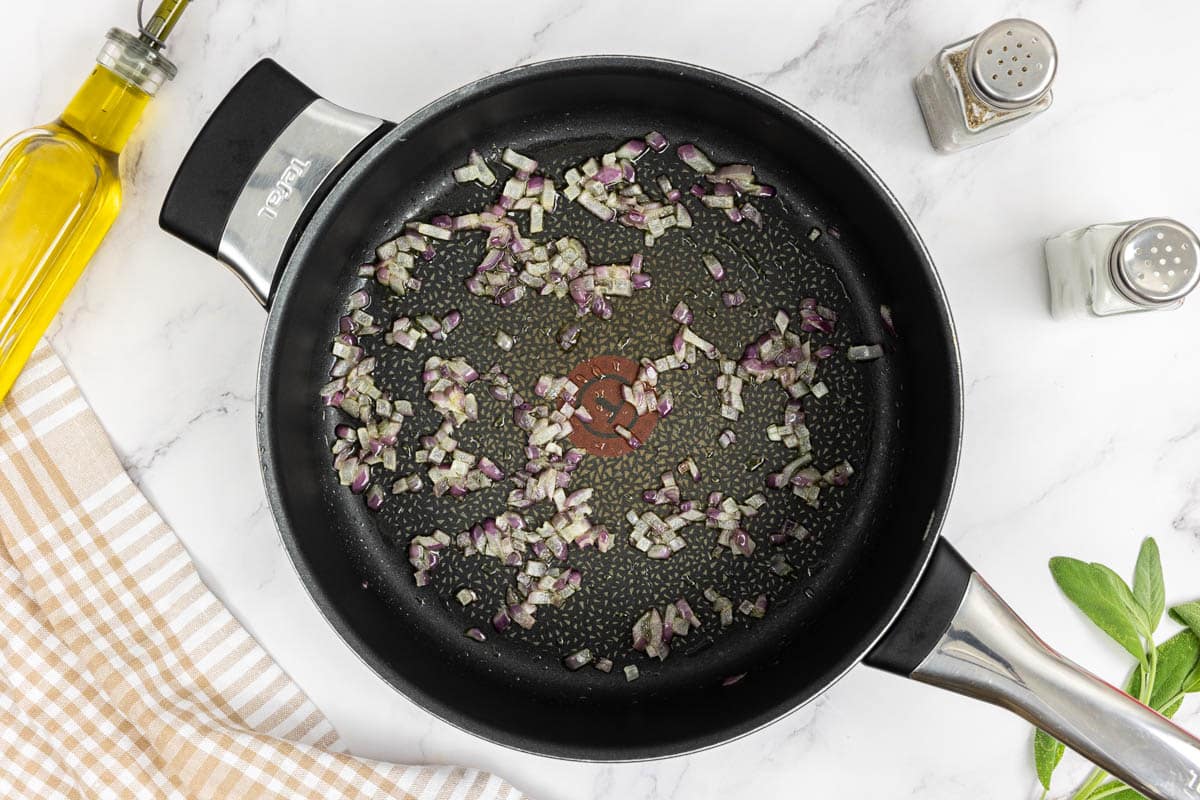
x=226, y=151
x=927, y=615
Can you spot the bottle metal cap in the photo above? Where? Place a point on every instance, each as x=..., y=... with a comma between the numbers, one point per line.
x=1012, y=63
x=1155, y=262
x=135, y=60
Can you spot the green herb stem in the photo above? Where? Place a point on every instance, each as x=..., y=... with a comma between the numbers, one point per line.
x=1095, y=779
x=1170, y=701
x=1146, y=690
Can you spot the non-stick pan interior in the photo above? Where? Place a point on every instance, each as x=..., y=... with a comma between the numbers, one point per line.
x=894, y=419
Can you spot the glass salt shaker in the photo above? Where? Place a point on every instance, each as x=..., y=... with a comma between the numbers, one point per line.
x=981, y=88
x=1121, y=267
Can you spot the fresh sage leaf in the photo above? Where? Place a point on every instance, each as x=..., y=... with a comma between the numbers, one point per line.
x=1122, y=591
x=1113, y=790
x=1188, y=614
x=1191, y=682
x=1148, y=587
x=1130, y=617
x=1047, y=752
x=1096, y=595
x=1178, y=663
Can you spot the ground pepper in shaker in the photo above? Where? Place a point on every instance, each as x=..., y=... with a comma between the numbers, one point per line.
x=981, y=88
x=1121, y=267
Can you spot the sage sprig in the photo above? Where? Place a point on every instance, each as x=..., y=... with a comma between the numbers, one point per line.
x=1164, y=674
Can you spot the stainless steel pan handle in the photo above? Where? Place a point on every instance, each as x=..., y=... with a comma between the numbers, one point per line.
x=985, y=651
x=265, y=159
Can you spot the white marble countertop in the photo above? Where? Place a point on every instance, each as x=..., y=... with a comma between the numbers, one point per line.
x=1080, y=438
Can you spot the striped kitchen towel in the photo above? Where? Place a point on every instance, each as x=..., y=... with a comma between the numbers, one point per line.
x=121, y=675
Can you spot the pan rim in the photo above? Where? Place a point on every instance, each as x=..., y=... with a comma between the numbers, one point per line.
x=546, y=746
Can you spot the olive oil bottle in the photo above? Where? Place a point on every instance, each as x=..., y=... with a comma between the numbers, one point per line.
x=60, y=187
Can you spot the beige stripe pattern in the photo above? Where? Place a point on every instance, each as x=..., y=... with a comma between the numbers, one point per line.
x=121, y=675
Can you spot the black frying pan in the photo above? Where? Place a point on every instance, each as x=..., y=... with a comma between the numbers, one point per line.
x=294, y=193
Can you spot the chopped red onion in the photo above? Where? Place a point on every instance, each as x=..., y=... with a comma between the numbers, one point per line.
x=358, y=299
x=682, y=314
x=475, y=633
x=740, y=543
x=517, y=161
x=885, y=314
x=733, y=299
x=431, y=231
x=729, y=389
x=733, y=174
x=726, y=515
x=653, y=631
x=489, y=468
x=666, y=403
x=632, y=149
x=485, y=174
x=568, y=336
x=864, y=352
x=695, y=158
x=717, y=201
x=721, y=605
x=685, y=611
x=839, y=474
x=475, y=170
x=579, y=658
x=688, y=467
x=423, y=554
x=588, y=201
x=714, y=267
x=657, y=141
x=631, y=673
x=449, y=322
x=408, y=483
x=374, y=497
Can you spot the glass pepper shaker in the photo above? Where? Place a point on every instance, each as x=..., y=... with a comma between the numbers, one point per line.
x=981, y=88
x=1121, y=267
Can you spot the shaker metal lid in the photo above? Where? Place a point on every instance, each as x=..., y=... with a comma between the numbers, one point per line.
x=1012, y=63
x=1155, y=262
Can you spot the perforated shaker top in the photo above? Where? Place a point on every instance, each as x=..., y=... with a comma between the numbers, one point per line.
x=1013, y=63
x=1155, y=261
